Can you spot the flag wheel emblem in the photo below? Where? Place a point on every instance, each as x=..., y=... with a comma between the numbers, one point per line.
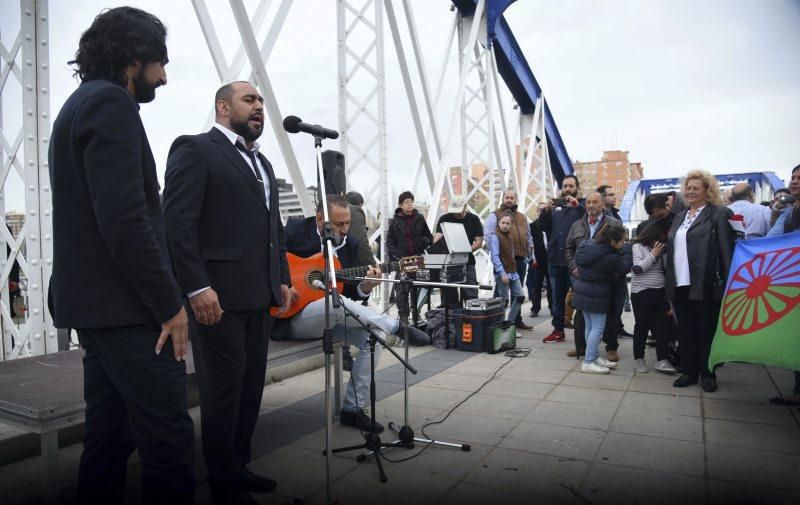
x=762, y=291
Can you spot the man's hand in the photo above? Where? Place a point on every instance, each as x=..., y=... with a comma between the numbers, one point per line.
x=572, y=201
x=178, y=329
x=504, y=278
x=548, y=205
x=287, y=297
x=373, y=272
x=205, y=306
x=294, y=295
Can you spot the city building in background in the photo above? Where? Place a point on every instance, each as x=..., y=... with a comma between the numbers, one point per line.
x=15, y=222
x=614, y=169
x=289, y=202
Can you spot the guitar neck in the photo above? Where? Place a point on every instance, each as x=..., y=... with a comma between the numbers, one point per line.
x=361, y=271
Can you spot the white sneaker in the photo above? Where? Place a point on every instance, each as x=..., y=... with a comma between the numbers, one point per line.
x=605, y=363
x=664, y=366
x=593, y=367
x=639, y=366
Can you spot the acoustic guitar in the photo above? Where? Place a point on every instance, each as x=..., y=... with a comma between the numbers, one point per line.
x=304, y=271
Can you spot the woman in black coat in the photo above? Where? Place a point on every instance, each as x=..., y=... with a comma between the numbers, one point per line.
x=599, y=261
x=699, y=246
x=408, y=235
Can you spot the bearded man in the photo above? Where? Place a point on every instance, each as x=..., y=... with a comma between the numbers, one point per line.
x=229, y=255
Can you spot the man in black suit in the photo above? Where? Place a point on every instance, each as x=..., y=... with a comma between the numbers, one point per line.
x=303, y=238
x=111, y=276
x=229, y=255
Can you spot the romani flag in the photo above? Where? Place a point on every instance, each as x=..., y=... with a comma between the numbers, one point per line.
x=760, y=317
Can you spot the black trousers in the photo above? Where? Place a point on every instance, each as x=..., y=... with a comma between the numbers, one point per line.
x=650, y=313
x=697, y=322
x=135, y=399
x=231, y=362
x=538, y=277
x=614, y=315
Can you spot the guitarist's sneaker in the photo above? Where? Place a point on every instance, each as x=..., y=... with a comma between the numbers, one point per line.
x=359, y=420
x=416, y=337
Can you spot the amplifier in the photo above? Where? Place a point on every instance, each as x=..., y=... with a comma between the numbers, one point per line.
x=473, y=331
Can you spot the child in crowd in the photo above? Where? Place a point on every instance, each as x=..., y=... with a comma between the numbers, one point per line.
x=649, y=297
x=501, y=246
x=598, y=261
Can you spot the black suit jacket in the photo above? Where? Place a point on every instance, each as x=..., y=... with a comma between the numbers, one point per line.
x=303, y=240
x=110, y=257
x=219, y=229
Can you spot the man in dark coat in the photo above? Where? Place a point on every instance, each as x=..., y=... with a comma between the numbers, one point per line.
x=408, y=235
x=585, y=228
x=111, y=271
x=303, y=238
x=229, y=254
x=555, y=221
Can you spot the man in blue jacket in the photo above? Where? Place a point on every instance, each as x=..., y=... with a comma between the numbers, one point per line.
x=555, y=221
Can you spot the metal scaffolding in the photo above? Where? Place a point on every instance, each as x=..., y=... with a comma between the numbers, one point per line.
x=485, y=148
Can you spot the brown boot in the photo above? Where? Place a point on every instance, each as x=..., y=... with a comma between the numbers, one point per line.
x=572, y=353
x=612, y=356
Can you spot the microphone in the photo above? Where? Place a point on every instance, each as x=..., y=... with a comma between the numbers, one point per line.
x=294, y=124
x=318, y=284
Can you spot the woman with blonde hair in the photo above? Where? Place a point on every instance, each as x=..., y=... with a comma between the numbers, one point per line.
x=700, y=245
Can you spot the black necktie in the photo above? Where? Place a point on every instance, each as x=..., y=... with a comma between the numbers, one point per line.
x=252, y=155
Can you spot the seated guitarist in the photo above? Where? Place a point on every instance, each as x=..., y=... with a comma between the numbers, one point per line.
x=303, y=239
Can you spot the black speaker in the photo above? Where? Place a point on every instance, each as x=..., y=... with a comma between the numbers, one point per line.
x=333, y=171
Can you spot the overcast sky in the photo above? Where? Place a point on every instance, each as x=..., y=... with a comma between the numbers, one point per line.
x=707, y=84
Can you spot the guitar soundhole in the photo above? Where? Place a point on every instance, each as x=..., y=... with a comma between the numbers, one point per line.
x=315, y=275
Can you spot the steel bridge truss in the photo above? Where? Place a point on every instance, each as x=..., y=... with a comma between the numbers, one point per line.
x=484, y=148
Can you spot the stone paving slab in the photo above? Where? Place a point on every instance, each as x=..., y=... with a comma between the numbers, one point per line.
x=541, y=432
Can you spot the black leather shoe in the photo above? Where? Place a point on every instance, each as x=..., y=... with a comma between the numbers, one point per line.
x=709, y=384
x=257, y=483
x=359, y=420
x=225, y=495
x=534, y=313
x=623, y=333
x=522, y=326
x=416, y=337
x=685, y=381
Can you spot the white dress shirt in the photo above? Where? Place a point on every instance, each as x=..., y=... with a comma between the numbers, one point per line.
x=234, y=138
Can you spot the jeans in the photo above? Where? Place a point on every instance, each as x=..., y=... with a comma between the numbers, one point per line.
x=595, y=323
x=559, y=284
x=537, y=277
x=135, y=400
x=516, y=295
x=650, y=314
x=309, y=323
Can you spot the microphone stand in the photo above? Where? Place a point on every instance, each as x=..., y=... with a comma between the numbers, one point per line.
x=406, y=433
x=372, y=441
x=331, y=298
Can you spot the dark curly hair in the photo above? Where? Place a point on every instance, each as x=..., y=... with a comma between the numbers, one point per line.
x=118, y=38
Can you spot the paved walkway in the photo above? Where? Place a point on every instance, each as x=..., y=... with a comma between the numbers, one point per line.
x=541, y=432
